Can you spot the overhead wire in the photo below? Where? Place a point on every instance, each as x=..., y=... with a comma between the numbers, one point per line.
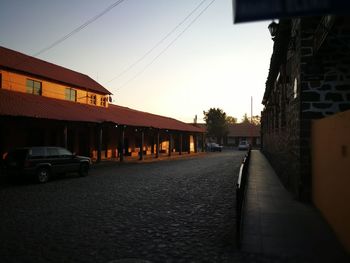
x=91, y=20
x=158, y=43
x=168, y=46
x=76, y=30
x=79, y=28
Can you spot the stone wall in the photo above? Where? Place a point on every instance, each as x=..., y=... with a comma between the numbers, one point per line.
x=325, y=82
x=281, y=122
x=313, y=82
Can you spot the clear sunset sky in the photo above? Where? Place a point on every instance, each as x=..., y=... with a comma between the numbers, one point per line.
x=213, y=64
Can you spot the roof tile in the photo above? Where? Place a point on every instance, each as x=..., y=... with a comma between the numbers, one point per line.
x=16, y=61
x=34, y=106
x=243, y=130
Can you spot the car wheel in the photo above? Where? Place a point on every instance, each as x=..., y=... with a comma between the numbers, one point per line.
x=42, y=175
x=84, y=169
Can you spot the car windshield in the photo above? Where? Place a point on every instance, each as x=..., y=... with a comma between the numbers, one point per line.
x=52, y=152
x=64, y=152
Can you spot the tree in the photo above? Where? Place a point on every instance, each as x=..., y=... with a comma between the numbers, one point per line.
x=231, y=120
x=245, y=118
x=216, y=121
x=254, y=120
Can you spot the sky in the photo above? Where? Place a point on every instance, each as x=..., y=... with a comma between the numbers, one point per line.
x=206, y=62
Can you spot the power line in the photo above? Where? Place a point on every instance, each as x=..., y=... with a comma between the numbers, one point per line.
x=168, y=46
x=76, y=30
x=91, y=20
x=158, y=43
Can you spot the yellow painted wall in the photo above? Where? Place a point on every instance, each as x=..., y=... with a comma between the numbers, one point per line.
x=17, y=82
x=164, y=147
x=192, y=144
x=331, y=172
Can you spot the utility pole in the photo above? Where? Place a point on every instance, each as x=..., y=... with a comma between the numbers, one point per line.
x=251, y=120
x=251, y=109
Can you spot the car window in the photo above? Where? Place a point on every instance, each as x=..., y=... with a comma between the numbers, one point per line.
x=64, y=152
x=36, y=153
x=17, y=155
x=52, y=152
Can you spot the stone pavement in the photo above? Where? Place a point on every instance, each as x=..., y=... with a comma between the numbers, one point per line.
x=147, y=158
x=278, y=227
x=181, y=210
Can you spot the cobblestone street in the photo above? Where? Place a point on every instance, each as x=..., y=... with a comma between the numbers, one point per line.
x=170, y=211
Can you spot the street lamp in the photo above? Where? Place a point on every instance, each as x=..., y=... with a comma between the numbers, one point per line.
x=273, y=29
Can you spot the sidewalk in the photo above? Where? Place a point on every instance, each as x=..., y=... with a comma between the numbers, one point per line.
x=277, y=225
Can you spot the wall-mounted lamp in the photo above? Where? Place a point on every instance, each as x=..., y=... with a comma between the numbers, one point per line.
x=273, y=29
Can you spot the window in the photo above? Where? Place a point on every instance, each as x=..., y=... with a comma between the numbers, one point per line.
x=17, y=155
x=103, y=101
x=71, y=94
x=64, y=152
x=52, y=152
x=93, y=99
x=37, y=153
x=33, y=87
x=295, y=91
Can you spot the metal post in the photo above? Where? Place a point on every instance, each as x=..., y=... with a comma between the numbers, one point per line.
x=141, y=146
x=99, y=144
x=180, y=150
x=170, y=144
x=121, y=148
x=189, y=144
x=203, y=143
x=65, y=136
x=195, y=143
x=157, y=145
x=152, y=148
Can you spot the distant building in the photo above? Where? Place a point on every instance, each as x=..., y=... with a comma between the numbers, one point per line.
x=237, y=132
x=243, y=132
x=45, y=104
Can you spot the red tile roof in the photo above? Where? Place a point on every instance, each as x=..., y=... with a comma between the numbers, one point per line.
x=200, y=125
x=244, y=130
x=19, y=62
x=237, y=129
x=28, y=105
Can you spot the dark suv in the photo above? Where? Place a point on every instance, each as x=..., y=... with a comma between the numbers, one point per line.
x=43, y=162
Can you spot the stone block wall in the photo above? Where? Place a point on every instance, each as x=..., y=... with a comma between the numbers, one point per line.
x=313, y=82
x=325, y=83
x=281, y=117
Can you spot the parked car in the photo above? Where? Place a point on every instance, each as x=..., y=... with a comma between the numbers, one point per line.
x=243, y=146
x=214, y=147
x=43, y=162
